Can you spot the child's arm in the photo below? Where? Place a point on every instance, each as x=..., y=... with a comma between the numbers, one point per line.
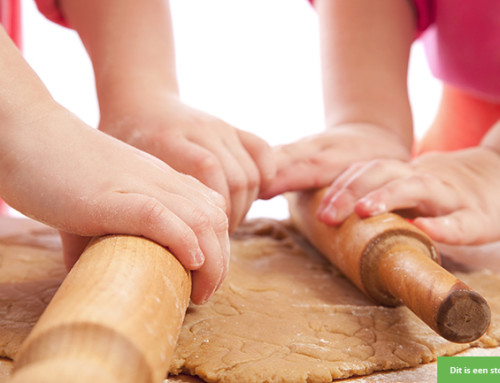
x=452, y=196
x=365, y=48
x=131, y=47
x=57, y=170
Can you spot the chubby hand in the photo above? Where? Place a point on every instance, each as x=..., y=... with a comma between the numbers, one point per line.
x=315, y=161
x=232, y=162
x=85, y=183
x=452, y=196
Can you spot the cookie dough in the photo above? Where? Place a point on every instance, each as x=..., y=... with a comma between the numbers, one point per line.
x=31, y=271
x=284, y=314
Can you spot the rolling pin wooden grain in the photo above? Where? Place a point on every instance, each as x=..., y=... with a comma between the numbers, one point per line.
x=393, y=262
x=115, y=318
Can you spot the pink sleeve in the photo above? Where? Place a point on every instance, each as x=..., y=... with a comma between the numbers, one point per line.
x=50, y=9
x=424, y=10
x=425, y=14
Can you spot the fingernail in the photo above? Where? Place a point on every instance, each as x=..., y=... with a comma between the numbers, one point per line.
x=329, y=213
x=207, y=297
x=373, y=208
x=199, y=259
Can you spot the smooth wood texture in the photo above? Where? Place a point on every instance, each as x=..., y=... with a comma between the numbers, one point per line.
x=393, y=262
x=115, y=318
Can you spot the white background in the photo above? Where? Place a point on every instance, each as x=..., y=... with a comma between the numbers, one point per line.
x=253, y=63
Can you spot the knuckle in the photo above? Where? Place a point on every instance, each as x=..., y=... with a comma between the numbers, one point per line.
x=377, y=164
x=214, y=219
x=426, y=181
x=253, y=180
x=208, y=163
x=220, y=221
x=152, y=212
x=219, y=202
x=200, y=221
x=237, y=182
x=318, y=158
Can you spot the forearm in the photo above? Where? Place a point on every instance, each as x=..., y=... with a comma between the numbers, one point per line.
x=130, y=43
x=365, y=48
x=25, y=103
x=22, y=93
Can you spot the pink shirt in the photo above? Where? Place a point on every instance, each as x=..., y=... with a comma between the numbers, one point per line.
x=10, y=16
x=462, y=43
x=51, y=11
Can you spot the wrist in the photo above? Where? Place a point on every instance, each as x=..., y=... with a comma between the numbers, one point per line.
x=23, y=132
x=379, y=133
x=125, y=95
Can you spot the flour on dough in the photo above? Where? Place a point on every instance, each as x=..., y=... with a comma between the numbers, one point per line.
x=31, y=271
x=285, y=314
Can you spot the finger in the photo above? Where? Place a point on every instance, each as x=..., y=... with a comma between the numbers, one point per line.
x=326, y=209
x=220, y=167
x=142, y=215
x=294, y=172
x=72, y=246
x=210, y=225
x=424, y=194
x=202, y=165
x=354, y=184
x=244, y=181
x=241, y=177
x=215, y=243
x=196, y=235
x=451, y=229
x=262, y=156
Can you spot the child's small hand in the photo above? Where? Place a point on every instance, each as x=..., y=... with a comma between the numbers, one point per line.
x=315, y=161
x=453, y=196
x=235, y=163
x=59, y=171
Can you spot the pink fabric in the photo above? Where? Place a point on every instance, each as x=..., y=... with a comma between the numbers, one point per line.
x=425, y=14
x=50, y=9
x=462, y=43
x=10, y=18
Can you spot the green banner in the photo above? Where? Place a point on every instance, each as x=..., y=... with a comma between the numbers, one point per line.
x=470, y=369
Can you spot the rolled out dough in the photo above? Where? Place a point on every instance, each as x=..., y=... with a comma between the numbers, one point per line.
x=284, y=314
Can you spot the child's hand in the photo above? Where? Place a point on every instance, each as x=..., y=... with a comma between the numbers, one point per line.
x=235, y=163
x=453, y=196
x=315, y=161
x=57, y=170
x=133, y=56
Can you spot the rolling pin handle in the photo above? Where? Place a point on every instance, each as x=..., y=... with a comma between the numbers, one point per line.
x=115, y=318
x=393, y=262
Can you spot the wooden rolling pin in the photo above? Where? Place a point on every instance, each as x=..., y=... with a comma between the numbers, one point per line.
x=115, y=318
x=393, y=262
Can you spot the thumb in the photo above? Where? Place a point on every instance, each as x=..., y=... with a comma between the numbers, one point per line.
x=73, y=246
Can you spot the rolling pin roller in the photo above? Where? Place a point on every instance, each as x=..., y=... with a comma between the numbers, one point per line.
x=393, y=262
x=115, y=318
